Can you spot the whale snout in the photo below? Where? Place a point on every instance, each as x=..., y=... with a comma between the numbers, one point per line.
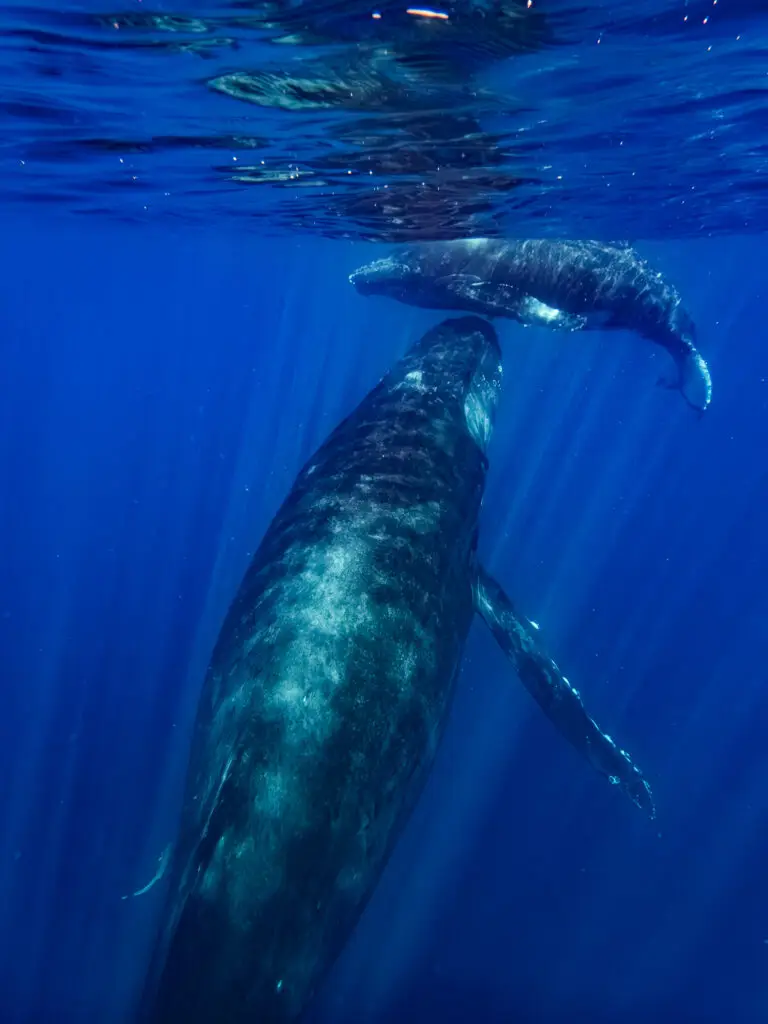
x=360, y=280
x=381, y=277
x=372, y=276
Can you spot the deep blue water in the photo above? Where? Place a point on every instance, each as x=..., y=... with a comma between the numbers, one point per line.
x=613, y=118
x=160, y=391
x=164, y=378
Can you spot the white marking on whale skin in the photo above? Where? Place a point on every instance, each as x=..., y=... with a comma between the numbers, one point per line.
x=541, y=311
x=532, y=312
x=322, y=603
x=572, y=688
x=479, y=407
x=692, y=378
x=697, y=386
x=415, y=381
x=478, y=419
x=317, y=603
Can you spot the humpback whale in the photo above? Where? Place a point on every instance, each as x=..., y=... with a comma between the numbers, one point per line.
x=329, y=687
x=561, y=284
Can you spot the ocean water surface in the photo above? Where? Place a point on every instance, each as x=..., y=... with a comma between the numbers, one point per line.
x=185, y=191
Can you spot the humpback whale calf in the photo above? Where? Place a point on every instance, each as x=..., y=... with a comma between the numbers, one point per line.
x=329, y=687
x=561, y=284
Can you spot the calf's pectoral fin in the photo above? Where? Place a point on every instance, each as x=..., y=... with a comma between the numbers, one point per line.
x=469, y=291
x=531, y=312
x=555, y=695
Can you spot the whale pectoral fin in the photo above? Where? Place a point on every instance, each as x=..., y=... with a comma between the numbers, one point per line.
x=533, y=313
x=474, y=293
x=555, y=695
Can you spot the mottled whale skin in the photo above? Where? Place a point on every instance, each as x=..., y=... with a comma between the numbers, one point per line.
x=329, y=687
x=565, y=284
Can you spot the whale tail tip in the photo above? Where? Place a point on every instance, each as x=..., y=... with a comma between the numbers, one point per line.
x=692, y=379
x=696, y=381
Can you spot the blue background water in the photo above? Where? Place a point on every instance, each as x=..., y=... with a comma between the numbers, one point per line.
x=159, y=392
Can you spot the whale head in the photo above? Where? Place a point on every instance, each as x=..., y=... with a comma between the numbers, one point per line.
x=397, y=276
x=460, y=361
x=432, y=275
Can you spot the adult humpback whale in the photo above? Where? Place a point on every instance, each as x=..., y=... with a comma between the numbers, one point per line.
x=569, y=285
x=329, y=687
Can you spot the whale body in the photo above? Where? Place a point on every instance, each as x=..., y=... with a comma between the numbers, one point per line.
x=329, y=688
x=569, y=285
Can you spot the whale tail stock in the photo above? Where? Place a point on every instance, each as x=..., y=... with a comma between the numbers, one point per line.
x=553, y=693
